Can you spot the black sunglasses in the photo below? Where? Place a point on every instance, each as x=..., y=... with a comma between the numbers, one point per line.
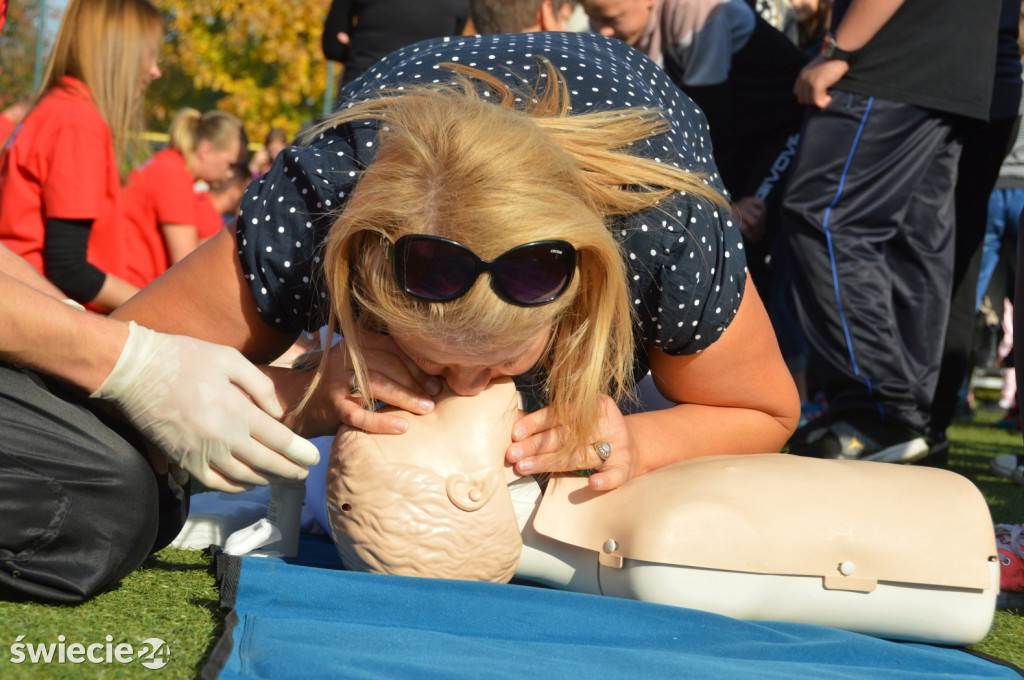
x=438, y=269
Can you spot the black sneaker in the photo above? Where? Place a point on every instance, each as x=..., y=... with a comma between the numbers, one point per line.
x=843, y=441
x=938, y=450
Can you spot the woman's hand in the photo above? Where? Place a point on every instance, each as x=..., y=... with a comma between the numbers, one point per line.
x=537, y=438
x=393, y=379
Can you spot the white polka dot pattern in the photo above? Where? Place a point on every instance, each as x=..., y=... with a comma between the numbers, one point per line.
x=686, y=263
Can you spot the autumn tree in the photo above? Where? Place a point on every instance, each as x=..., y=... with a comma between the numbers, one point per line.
x=18, y=51
x=261, y=61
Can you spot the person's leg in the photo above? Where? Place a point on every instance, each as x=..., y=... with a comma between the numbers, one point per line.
x=82, y=507
x=865, y=168
x=984, y=149
x=1014, y=207
x=1012, y=464
x=992, y=244
x=921, y=259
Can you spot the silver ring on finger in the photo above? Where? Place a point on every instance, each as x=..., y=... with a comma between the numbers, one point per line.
x=353, y=387
x=603, y=450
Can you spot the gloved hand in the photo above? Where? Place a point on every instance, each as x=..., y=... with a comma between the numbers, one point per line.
x=189, y=398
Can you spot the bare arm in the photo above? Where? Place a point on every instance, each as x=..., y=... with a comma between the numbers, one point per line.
x=54, y=338
x=205, y=296
x=737, y=396
x=15, y=267
x=180, y=240
x=113, y=293
x=861, y=22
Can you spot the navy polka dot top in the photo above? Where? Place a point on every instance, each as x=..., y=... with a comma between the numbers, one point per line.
x=685, y=257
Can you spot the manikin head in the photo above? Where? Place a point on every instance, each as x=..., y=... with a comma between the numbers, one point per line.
x=433, y=501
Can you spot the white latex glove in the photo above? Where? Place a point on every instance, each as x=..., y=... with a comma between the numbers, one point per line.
x=189, y=398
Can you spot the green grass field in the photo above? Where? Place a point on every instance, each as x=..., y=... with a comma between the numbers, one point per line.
x=173, y=596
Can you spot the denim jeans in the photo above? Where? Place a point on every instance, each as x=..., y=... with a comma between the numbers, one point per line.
x=1004, y=208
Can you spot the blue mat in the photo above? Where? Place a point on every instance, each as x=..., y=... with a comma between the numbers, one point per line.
x=308, y=618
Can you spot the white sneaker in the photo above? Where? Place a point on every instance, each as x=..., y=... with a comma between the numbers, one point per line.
x=1010, y=465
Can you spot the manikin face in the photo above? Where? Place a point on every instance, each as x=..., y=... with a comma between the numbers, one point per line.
x=433, y=501
x=469, y=373
x=622, y=19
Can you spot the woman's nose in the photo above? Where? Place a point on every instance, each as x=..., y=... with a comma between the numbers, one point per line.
x=467, y=382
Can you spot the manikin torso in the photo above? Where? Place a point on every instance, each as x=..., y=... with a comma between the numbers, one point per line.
x=767, y=536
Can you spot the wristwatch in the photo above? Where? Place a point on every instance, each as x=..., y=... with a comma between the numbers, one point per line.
x=830, y=50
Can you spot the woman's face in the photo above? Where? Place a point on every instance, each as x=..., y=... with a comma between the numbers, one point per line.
x=622, y=19
x=469, y=373
x=150, y=70
x=213, y=165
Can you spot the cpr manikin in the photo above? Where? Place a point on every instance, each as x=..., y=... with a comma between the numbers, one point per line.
x=433, y=501
x=845, y=544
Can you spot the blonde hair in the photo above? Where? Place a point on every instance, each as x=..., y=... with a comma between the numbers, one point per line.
x=102, y=43
x=468, y=165
x=190, y=127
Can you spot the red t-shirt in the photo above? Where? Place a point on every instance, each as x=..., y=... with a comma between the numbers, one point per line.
x=6, y=127
x=208, y=219
x=60, y=163
x=160, y=191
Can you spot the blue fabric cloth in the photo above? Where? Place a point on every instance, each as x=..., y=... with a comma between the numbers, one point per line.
x=295, y=620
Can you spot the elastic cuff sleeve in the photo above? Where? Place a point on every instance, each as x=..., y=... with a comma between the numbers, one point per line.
x=64, y=254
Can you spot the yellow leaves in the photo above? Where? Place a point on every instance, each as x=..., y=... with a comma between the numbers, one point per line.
x=261, y=61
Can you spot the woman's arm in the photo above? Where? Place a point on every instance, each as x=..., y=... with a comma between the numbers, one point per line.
x=180, y=240
x=113, y=293
x=205, y=296
x=65, y=252
x=737, y=396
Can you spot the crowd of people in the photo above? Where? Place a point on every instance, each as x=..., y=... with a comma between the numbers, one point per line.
x=731, y=206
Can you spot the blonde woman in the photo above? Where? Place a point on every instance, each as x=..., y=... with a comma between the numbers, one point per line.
x=543, y=206
x=160, y=199
x=60, y=183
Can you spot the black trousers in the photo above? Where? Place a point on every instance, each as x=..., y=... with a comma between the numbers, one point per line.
x=868, y=220
x=80, y=506
x=984, y=149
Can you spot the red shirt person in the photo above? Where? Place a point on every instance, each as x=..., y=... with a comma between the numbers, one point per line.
x=161, y=191
x=60, y=164
x=160, y=196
